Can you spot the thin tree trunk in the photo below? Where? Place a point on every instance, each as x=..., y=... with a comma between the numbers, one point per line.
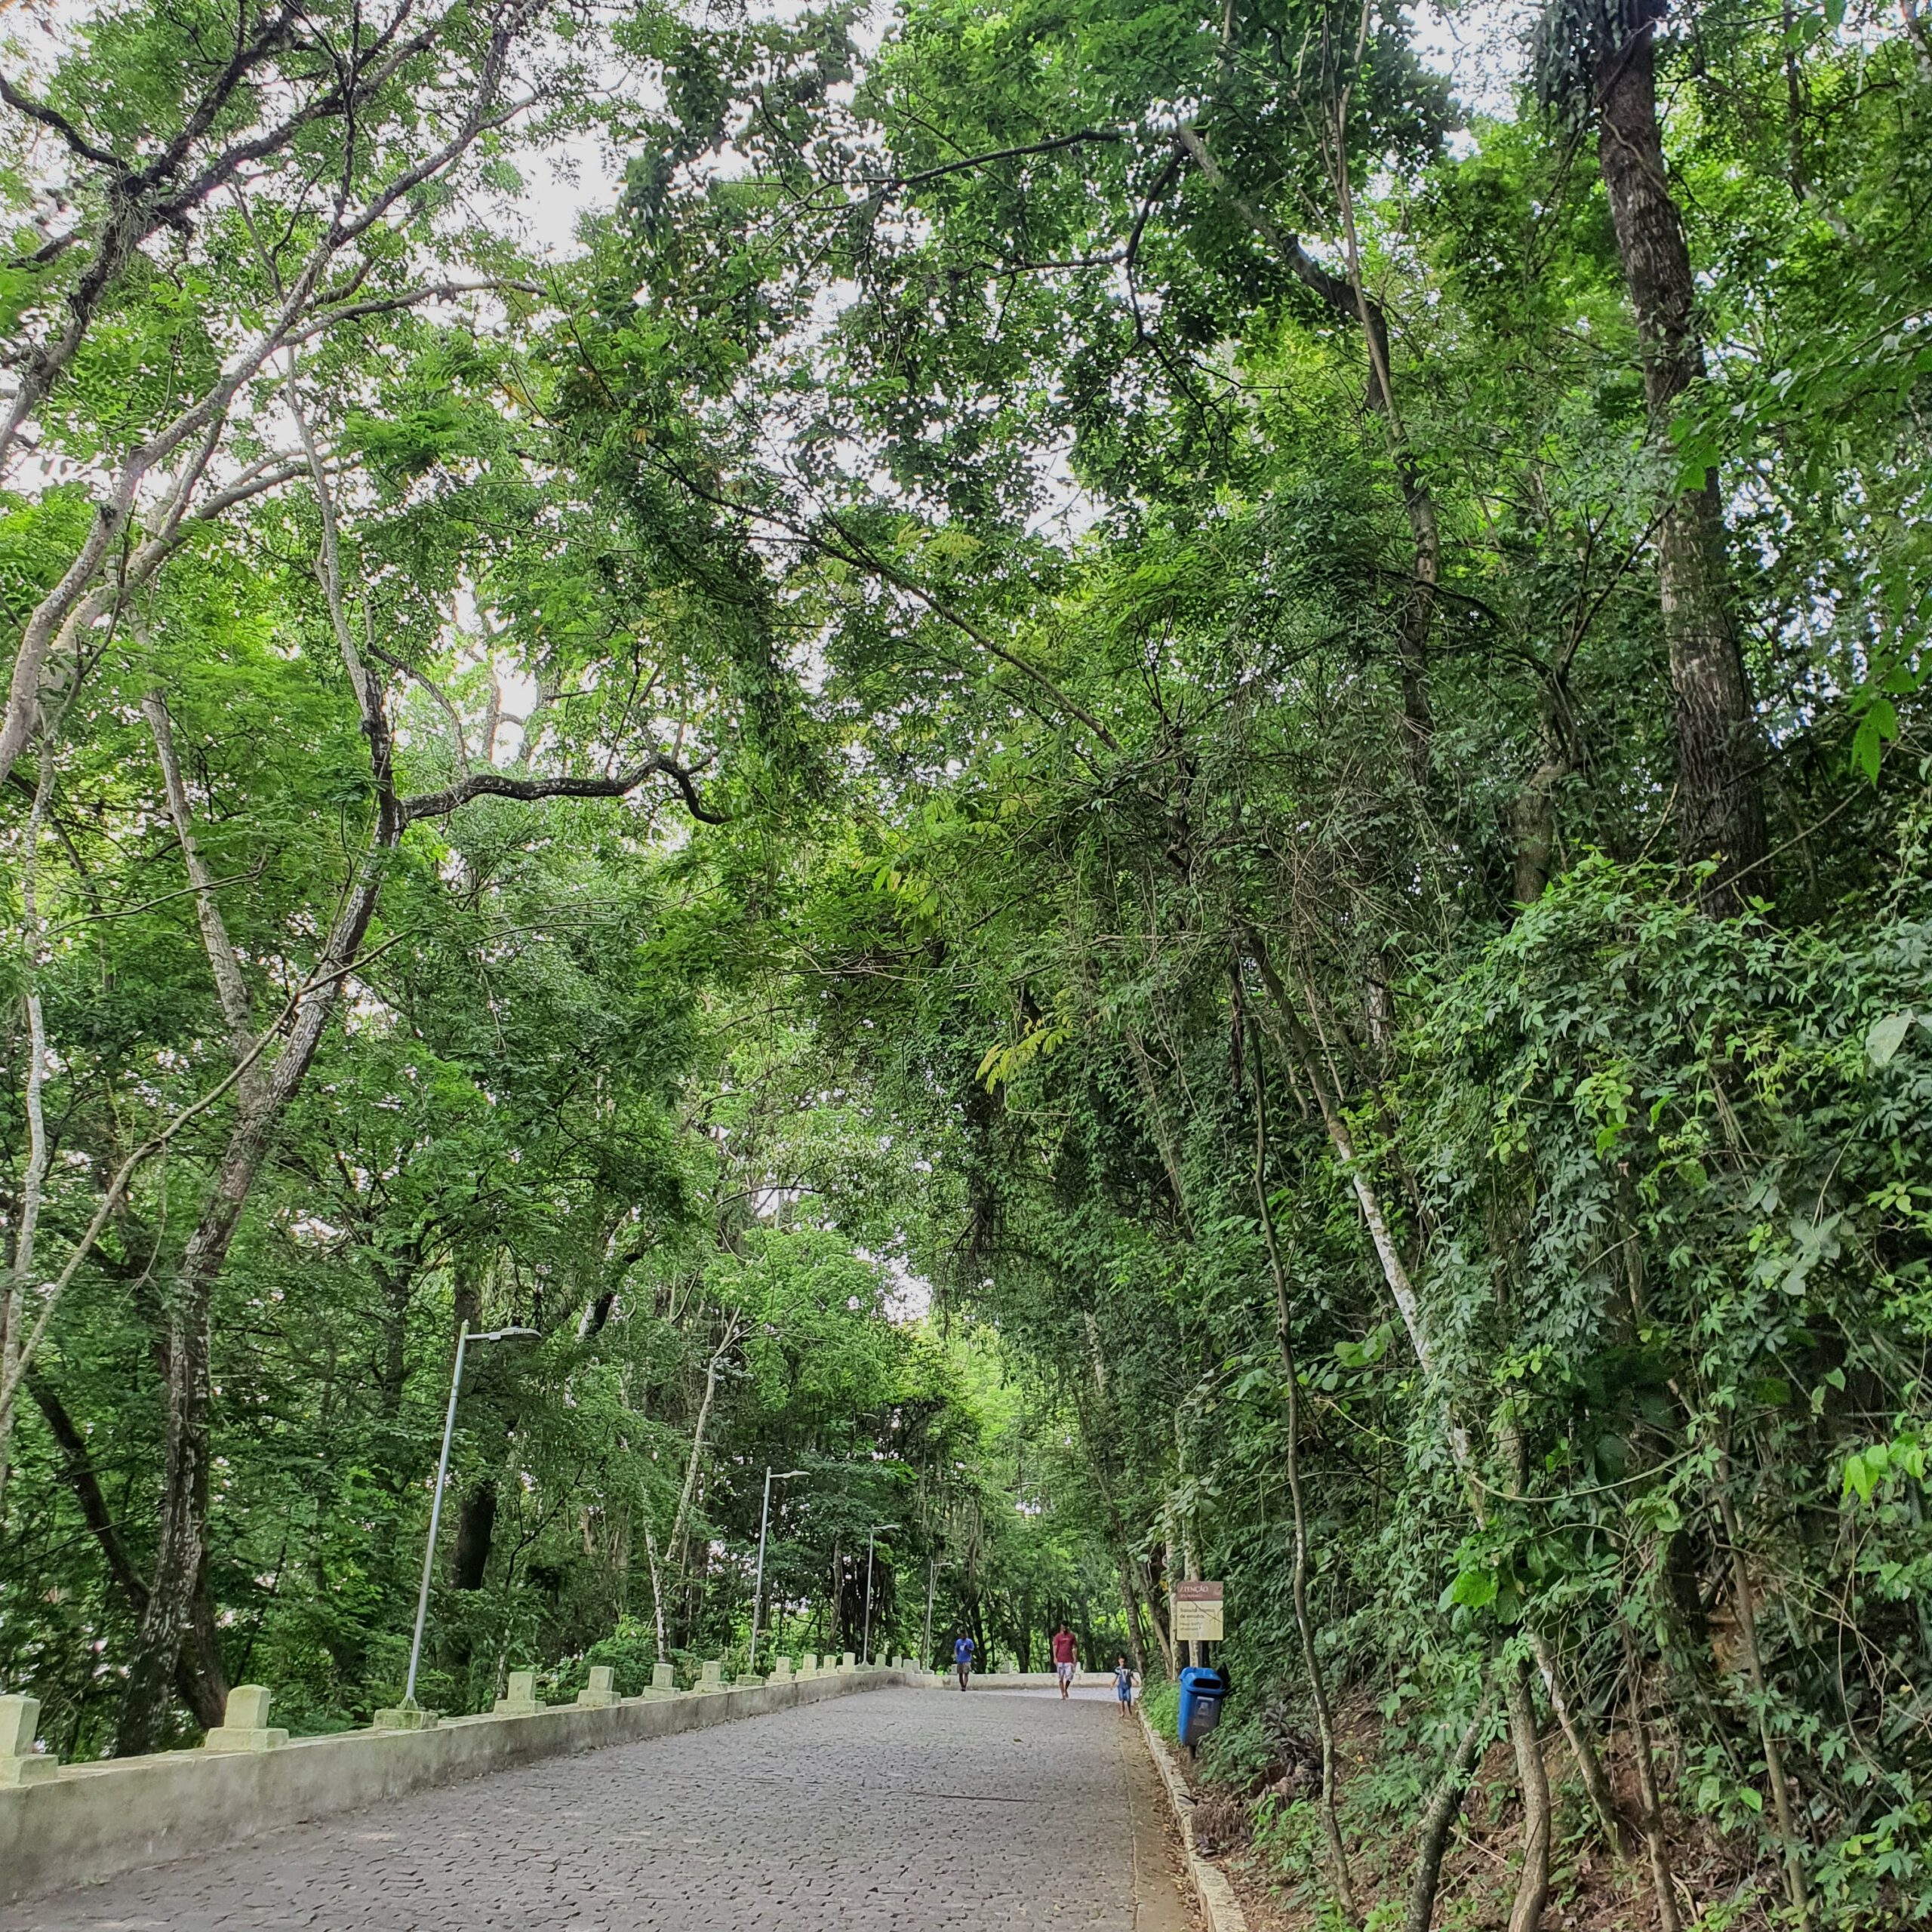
x=181, y=1549
x=1580, y=1734
x=1720, y=799
x=1418, y=502
x=1350, y=301
x=1662, y=1883
x=26, y=1216
x=200, y=1681
x=1129, y=1603
x=1783, y=1806
x=231, y=989
x=1440, y=1820
x=711, y=1375
x=1533, y=1882
x=1294, y=1038
x=656, y=1591
x=1339, y=1874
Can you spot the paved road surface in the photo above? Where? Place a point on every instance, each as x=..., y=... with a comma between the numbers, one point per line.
x=891, y=1811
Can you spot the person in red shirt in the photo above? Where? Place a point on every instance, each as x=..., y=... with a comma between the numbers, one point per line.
x=1063, y=1664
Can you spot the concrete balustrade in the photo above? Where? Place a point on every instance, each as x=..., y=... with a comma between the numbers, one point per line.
x=19, y=1762
x=599, y=1694
x=519, y=1698
x=63, y=1825
x=244, y=1722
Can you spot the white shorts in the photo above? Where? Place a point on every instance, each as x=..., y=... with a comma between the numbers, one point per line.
x=1064, y=1672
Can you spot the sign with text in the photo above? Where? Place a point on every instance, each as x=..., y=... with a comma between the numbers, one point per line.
x=1197, y=1613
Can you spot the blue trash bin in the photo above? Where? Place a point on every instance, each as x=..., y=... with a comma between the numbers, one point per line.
x=1202, y=1692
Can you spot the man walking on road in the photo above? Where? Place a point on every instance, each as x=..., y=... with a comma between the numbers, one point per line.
x=962, y=1658
x=1063, y=1654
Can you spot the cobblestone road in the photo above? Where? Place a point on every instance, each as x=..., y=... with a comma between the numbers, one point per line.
x=892, y=1810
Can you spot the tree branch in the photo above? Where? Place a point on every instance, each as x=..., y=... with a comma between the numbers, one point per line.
x=86, y=1486
x=231, y=987
x=52, y=117
x=1086, y=135
x=498, y=785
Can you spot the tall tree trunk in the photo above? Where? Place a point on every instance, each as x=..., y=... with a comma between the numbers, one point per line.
x=1720, y=799
x=475, y=1535
x=180, y=1553
x=1783, y=1806
x=1348, y=300
x=25, y=1218
x=1341, y=1877
x=696, y=1458
x=1526, y=1738
x=1662, y=1879
x=656, y=1591
x=201, y=1681
x=1444, y=1806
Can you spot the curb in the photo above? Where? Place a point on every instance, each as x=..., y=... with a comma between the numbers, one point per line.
x=1219, y=1907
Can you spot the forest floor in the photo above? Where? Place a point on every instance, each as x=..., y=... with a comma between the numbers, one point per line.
x=1592, y=1889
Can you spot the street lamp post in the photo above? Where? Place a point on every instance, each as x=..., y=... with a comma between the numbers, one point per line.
x=758, y=1588
x=926, y=1644
x=463, y=1340
x=869, y=1534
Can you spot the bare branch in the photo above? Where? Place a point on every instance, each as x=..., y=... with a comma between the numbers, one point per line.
x=248, y=55
x=499, y=785
x=852, y=550
x=408, y=298
x=1085, y=136
x=70, y=607
x=329, y=572
x=231, y=989
x=52, y=117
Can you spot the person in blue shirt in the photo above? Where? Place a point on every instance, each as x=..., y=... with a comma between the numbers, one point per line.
x=962, y=1658
x=1123, y=1684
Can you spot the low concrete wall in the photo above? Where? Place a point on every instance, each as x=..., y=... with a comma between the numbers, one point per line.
x=89, y=1822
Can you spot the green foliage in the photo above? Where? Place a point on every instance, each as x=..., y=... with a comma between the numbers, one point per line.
x=1176, y=1016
